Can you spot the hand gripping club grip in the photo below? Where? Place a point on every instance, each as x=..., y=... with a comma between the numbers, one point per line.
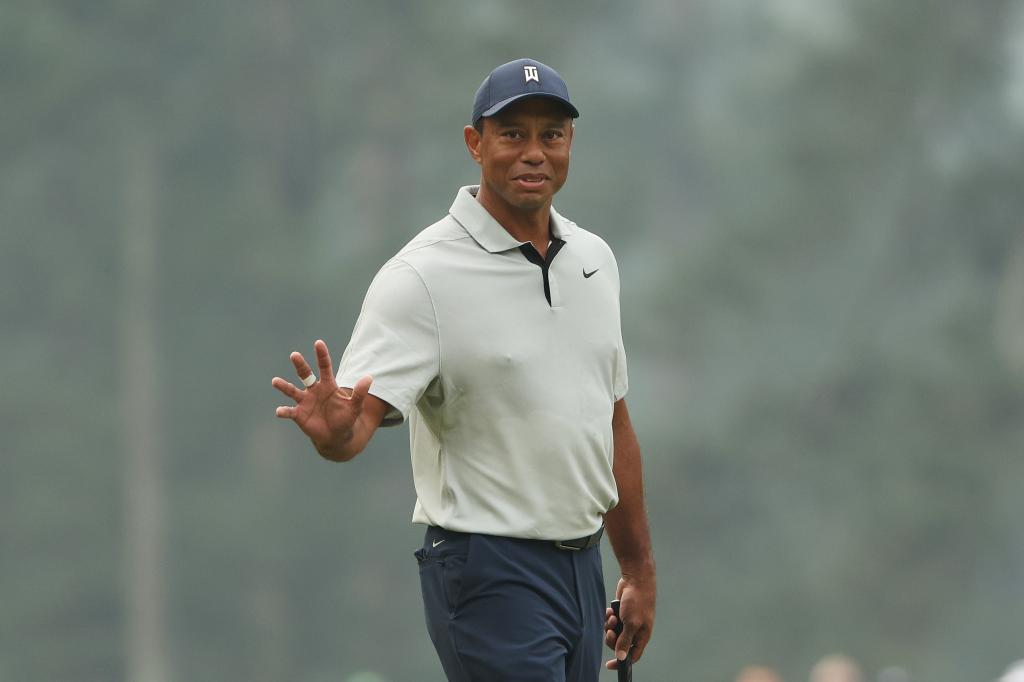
x=626, y=666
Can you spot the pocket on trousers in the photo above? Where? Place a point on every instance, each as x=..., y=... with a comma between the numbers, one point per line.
x=454, y=569
x=442, y=572
x=435, y=594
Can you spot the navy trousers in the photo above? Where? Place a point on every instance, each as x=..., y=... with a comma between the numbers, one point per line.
x=509, y=610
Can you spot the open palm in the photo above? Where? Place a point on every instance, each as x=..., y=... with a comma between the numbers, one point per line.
x=324, y=411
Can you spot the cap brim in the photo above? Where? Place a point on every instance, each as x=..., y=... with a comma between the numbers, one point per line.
x=505, y=102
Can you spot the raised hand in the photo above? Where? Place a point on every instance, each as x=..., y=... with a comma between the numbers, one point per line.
x=329, y=415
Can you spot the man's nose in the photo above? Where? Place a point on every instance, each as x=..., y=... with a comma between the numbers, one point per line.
x=533, y=153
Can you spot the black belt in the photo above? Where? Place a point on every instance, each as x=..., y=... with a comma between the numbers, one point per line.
x=586, y=542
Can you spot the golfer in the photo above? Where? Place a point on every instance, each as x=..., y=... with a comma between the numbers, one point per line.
x=495, y=332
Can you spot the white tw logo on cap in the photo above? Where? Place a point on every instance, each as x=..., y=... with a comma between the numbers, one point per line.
x=531, y=73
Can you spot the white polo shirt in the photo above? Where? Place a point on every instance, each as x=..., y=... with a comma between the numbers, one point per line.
x=507, y=368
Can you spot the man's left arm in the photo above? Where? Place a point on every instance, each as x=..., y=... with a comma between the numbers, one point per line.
x=626, y=526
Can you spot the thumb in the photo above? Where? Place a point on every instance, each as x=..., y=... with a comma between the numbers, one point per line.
x=360, y=390
x=625, y=641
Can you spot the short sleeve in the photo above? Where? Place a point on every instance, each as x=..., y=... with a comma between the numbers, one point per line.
x=394, y=340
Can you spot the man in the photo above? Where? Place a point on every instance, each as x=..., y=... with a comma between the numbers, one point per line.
x=496, y=333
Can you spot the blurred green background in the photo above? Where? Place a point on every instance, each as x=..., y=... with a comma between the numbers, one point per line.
x=817, y=210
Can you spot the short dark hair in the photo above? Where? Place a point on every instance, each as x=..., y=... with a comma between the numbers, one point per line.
x=479, y=123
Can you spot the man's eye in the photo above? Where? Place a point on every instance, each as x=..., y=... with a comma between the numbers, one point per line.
x=513, y=134
x=554, y=134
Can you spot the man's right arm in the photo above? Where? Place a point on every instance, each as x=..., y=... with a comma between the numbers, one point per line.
x=395, y=338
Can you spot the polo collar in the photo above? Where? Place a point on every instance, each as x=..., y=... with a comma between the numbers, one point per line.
x=487, y=231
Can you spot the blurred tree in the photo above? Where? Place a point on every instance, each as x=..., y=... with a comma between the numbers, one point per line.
x=142, y=433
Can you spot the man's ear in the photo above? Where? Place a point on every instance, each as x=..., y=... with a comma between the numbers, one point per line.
x=473, y=138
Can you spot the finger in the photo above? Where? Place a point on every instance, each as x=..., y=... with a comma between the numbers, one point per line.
x=619, y=587
x=360, y=390
x=323, y=360
x=301, y=366
x=625, y=641
x=288, y=389
x=609, y=639
x=285, y=412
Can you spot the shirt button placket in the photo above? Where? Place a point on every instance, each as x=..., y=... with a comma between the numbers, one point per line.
x=556, y=297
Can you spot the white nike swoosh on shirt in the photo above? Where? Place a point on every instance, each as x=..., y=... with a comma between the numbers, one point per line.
x=436, y=543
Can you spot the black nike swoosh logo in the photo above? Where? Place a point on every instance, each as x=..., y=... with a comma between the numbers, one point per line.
x=588, y=274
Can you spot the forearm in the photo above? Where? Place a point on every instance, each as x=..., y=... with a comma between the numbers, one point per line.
x=626, y=524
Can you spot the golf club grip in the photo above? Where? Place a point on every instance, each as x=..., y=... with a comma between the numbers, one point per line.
x=625, y=669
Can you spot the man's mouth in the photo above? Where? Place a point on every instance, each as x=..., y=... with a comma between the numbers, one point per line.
x=531, y=180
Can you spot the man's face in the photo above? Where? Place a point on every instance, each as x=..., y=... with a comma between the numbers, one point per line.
x=523, y=152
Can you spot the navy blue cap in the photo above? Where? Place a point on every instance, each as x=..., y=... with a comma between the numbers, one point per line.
x=518, y=80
